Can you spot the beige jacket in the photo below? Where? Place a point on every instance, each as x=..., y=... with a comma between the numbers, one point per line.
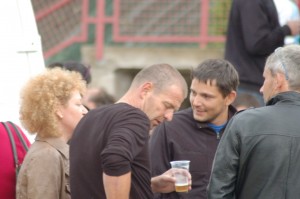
x=45, y=171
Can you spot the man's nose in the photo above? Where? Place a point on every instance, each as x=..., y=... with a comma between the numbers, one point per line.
x=197, y=101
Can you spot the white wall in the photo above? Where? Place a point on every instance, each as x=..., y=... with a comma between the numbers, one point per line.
x=20, y=54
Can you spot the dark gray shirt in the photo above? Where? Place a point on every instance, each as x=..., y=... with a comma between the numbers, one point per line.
x=184, y=138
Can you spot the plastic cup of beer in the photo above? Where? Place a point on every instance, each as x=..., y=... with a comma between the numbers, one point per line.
x=182, y=180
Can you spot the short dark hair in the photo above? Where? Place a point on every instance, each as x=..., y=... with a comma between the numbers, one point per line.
x=74, y=66
x=102, y=98
x=245, y=99
x=220, y=70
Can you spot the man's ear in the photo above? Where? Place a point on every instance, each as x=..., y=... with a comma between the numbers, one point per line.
x=230, y=97
x=146, y=88
x=281, y=82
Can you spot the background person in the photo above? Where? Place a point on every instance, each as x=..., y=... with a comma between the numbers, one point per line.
x=50, y=107
x=244, y=101
x=287, y=10
x=194, y=133
x=253, y=34
x=97, y=97
x=109, y=155
x=84, y=70
x=259, y=154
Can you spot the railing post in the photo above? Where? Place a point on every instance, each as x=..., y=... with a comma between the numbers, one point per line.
x=204, y=7
x=100, y=29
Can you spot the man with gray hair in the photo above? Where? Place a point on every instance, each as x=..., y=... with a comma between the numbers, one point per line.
x=259, y=154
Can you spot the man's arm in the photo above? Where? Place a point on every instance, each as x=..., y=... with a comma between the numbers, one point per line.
x=294, y=26
x=117, y=187
x=125, y=141
x=224, y=174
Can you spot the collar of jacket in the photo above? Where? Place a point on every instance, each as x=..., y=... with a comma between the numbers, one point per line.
x=231, y=111
x=289, y=96
x=57, y=143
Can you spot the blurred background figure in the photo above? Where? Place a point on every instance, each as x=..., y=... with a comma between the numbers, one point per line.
x=84, y=70
x=96, y=97
x=244, y=101
x=254, y=32
x=51, y=107
x=287, y=10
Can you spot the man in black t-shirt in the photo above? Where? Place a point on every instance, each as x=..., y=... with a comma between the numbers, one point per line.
x=109, y=148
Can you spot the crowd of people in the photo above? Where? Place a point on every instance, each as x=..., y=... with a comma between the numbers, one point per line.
x=241, y=133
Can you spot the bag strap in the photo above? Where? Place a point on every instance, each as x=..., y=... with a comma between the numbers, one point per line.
x=13, y=144
x=19, y=135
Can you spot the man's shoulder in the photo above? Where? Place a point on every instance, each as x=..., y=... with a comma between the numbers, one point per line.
x=181, y=119
x=123, y=110
x=188, y=112
x=252, y=115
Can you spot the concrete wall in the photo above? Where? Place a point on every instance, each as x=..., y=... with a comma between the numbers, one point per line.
x=119, y=64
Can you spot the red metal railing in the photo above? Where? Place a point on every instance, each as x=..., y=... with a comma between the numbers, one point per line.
x=100, y=20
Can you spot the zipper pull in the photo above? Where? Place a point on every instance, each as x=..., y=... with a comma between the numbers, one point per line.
x=218, y=135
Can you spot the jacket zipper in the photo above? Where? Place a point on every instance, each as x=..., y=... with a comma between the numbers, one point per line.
x=218, y=135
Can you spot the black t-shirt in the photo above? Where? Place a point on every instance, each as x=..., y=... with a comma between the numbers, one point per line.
x=112, y=139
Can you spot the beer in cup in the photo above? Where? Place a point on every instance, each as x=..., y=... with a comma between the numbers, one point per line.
x=182, y=181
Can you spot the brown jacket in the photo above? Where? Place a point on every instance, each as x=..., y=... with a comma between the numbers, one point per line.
x=45, y=171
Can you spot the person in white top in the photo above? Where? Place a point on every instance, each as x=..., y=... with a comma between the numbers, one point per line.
x=287, y=10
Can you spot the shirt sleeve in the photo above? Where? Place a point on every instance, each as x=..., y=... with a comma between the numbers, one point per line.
x=126, y=140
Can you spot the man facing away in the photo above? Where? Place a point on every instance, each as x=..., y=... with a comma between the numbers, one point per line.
x=253, y=34
x=194, y=133
x=109, y=155
x=259, y=154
